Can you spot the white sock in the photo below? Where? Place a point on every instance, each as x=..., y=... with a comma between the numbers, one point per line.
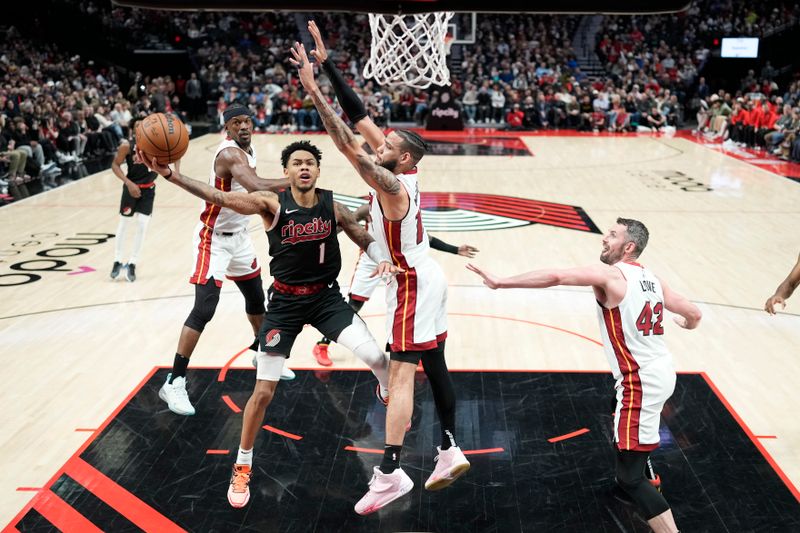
x=141, y=221
x=119, y=246
x=245, y=457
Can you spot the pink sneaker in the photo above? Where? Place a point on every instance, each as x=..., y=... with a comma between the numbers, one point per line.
x=450, y=465
x=383, y=490
x=239, y=490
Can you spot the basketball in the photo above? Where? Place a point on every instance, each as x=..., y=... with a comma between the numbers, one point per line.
x=163, y=137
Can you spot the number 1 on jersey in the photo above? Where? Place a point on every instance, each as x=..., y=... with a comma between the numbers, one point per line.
x=645, y=321
x=321, y=253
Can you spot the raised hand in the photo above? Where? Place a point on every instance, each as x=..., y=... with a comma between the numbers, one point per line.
x=320, y=53
x=304, y=69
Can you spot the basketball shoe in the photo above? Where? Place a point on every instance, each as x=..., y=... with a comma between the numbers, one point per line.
x=239, y=489
x=383, y=490
x=130, y=272
x=320, y=352
x=450, y=465
x=176, y=396
x=115, y=269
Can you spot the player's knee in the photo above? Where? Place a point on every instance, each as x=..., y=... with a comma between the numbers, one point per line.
x=372, y=355
x=205, y=304
x=262, y=396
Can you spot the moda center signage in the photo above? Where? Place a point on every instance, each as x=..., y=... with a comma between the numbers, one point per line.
x=445, y=115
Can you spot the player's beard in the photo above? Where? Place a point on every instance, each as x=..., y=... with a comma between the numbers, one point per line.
x=389, y=165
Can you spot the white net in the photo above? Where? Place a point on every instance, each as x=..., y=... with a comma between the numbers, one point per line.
x=409, y=50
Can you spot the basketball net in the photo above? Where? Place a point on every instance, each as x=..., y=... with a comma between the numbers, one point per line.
x=409, y=50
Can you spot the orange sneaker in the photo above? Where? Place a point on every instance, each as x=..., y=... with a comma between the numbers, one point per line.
x=239, y=490
x=321, y=353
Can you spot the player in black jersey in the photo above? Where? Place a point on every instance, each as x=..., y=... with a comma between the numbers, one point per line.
x=301, y=224
x=138, y=194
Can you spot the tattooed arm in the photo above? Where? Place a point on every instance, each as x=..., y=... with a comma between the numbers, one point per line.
x=262, y=203
x=389, y=189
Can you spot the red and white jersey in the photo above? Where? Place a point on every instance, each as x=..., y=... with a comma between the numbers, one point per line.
x=632, y=332
x=406, y=240
x=221, y=218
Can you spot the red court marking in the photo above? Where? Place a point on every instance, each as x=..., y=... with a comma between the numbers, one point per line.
x=766, y=436
x=62, y=515
x=29, y=489
x=487, y=450
x=753, y=438
x=568, y=435
x=466, y=452
x=83, y=447
x=88, y=430
x=217, y=452
x=233, y=406
x=224, y=370
x=362, y=450
x=122, y=501
x=284, y=433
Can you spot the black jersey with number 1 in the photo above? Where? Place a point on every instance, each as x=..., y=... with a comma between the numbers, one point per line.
x=303, y=242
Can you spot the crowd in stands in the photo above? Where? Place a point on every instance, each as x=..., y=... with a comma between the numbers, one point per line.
x=57, y=110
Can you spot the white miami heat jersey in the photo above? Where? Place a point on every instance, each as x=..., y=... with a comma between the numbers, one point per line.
x=221, y=218
x=405, y=240
x=633, y=332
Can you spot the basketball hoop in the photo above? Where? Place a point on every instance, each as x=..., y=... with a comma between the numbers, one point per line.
x=409, y=50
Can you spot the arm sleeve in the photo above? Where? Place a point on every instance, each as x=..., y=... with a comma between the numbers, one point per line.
x=442, y=246
x=348, y=99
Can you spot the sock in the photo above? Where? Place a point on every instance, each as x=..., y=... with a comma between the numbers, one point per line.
x=448, y=439
x=179, y=367
x=391, y=458
x=244, y=457
x=142, y=221
x=255, y=344
x=119, y=246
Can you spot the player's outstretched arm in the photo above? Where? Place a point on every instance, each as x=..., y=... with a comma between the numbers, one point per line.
x=239, y=169
x=347, y=221
x=589, y=276
x=348, y=99
x=374, y=175
x=784, y=290
x=690, y=314
x=465, y=249
x=263, y=203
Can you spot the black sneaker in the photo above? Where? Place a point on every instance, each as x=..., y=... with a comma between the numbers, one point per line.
x=130, y=272
x=115, y=269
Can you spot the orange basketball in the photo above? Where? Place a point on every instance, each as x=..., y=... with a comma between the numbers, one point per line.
x=163, y=137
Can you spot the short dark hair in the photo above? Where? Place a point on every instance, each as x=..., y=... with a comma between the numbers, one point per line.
x=413, y=143
x=132, y=125
x=300, y=145
x=637, y=233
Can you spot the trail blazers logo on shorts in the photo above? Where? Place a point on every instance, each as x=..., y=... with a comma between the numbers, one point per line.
x=272, y=338
x=463, y=211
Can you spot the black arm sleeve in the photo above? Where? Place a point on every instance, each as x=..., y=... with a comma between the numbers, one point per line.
x=348, y=99
x=442, y=246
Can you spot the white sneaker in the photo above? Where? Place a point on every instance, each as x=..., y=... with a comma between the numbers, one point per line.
x=450, y=465
x=176, y=396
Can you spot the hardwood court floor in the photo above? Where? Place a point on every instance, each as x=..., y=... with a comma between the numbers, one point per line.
x=723, y=232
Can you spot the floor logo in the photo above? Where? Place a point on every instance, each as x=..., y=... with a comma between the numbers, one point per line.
x=462, y=211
